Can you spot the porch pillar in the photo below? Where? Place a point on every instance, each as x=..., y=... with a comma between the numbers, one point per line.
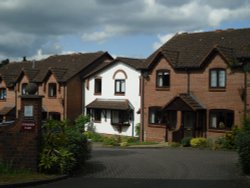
x=178, y=125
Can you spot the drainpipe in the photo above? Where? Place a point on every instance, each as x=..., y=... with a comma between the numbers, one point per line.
x=188, y=81
x=144, y=75
x=64, y=101
x=83, y=97
x=245, y=69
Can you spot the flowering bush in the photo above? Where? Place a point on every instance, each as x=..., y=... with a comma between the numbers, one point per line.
x=199, y=142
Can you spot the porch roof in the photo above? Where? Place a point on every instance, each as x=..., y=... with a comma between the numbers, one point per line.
x=184, y=102
x=110, y=104
x=6, y=109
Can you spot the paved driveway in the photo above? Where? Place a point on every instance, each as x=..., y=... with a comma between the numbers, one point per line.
x=146, y=168
x=169, y=163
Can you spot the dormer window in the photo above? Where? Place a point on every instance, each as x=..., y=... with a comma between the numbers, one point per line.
x=120, y=86
x=217, y=78
x=52, y=90
x=163, y=79
x=2, y=93
x=24, y=89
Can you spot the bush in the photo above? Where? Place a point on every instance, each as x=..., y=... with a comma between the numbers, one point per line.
x=185, y=142
x=95, y=137
x=137, y=129
x=64, y=147
x=199, y=142
x=243, y=146
x=111, y=141
x=227, y=141
x=175, y=145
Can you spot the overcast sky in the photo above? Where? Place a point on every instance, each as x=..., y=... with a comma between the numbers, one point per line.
x=133, y=28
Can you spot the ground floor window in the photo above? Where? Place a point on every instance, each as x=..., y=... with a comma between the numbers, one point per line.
x=119, y=117
x=155, y=115
x=221, y=119
x=97, y=115
x=55, y=116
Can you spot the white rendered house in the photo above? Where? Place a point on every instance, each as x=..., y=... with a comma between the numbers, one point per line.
x=112, y=96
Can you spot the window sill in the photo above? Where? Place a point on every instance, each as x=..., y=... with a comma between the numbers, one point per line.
x=162, y=89
x=97, y=93
x=52, y=97
x=95, y=121
x=119, y=94
x=217, y=89
x=2, y=100
x=156, y=126
x=218, y=130
x=121, y=124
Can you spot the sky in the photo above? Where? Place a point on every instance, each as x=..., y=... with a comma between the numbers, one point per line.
x=131, y=28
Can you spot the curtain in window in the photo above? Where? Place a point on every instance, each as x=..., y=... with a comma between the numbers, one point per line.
x=122, y=86
x=160, y=79
x=213, y=78
x=222, y=77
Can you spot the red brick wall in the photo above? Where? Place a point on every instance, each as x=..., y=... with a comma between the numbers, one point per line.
x=21, y=147
x=199, y=87
x=74, y=97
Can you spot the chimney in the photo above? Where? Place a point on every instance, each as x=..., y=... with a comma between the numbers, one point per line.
x=24, y=58
x=33, y=64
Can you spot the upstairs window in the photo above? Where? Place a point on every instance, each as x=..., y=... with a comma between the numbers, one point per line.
x=2, y=94
x=163, y=79
x=98, y=86
x=24, y=89
x=217, y=78
x=120, y=86
x=52, y=90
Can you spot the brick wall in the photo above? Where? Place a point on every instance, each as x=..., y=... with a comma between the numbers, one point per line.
x=20, y=146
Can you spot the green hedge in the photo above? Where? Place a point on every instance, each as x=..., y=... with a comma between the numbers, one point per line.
x=243, y=146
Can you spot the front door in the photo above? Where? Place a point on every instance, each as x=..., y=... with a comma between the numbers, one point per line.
x=188, y=123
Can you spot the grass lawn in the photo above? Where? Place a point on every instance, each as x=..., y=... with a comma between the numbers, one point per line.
x=23, y=177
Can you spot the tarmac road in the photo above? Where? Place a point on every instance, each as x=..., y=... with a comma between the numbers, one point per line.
x=161, y=167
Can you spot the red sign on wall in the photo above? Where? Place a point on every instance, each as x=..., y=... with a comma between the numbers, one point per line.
x=28, y=125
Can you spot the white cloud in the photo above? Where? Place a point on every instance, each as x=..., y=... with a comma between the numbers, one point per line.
x=27, y=26
x=162, y=39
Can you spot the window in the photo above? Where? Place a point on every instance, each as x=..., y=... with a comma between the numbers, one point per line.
x=97, y=115
x=221, y=119
x=162, y=79
x=119, y=117
x=120, y=86
x=155, y=115
x=52, y=90
x=55, y=116
x=2, y=93
x=24, y=89
x=98, y=86
x=217, y=78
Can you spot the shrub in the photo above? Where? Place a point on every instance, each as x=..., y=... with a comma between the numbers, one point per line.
x=64, y=147
x=227, y=141
x=137, y=129
x=175, y=144
x=243, y=146
x=111, y=141
x=185, y=142
x=95, y=137
x=199, y=142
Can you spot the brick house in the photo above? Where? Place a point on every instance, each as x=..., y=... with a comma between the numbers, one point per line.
x=112, y=96
x=59, y=81
x=194, y=85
